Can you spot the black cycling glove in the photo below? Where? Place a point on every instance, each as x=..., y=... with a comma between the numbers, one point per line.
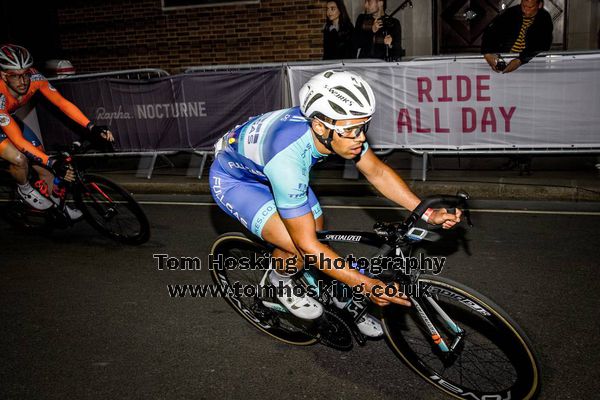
x=98, y=130
x=59, y=166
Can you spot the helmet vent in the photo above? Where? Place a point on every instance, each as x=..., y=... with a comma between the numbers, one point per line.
x=363, y=91
x=349, y=94
x=311, y=101
x=337, y=108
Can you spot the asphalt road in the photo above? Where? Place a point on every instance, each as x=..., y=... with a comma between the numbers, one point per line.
x=85, y=318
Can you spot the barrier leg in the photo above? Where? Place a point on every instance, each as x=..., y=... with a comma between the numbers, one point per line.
x=424, y=172
x=202, y=164
x=146, y=166
x=197, y=164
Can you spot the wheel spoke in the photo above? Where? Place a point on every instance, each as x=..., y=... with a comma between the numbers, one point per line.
x=281, y=325
x=112, y=211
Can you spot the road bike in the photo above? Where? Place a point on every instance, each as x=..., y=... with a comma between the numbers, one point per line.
x=453, y=337
x=105, y=205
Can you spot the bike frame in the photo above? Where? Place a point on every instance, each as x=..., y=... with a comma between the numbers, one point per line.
x=403, y=249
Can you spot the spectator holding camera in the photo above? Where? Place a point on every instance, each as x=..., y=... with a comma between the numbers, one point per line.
x=337, y=32
x=377, y=35
x=525, y=29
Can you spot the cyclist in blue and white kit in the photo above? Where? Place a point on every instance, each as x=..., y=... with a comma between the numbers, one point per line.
x=261, y=177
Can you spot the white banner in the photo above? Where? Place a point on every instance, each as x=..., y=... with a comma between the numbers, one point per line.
x=551, y=102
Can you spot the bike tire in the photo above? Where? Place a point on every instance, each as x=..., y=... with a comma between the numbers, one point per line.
x=28, y=221
x=111, y=210
x=498, y=339
x=237, y=245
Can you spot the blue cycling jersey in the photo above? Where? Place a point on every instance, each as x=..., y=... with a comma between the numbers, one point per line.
x=275, y=149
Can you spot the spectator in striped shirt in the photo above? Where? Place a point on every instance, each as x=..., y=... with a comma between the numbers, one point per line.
x=525, y=29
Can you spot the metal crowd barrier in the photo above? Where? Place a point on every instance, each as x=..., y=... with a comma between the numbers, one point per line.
x=148, y=162
x=550, y=57
x=134, y=74
x=350, y=172
x=148, y=158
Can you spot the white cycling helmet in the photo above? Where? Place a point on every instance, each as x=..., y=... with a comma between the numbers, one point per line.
x=338, y=95
x=14, y=57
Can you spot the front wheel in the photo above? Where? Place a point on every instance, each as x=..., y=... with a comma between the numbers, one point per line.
x=494, y=359
x=111, y=210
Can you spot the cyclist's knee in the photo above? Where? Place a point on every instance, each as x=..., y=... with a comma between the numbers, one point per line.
x=20, y=161
x=287, y=262
x=319, y=223
x=44, y=173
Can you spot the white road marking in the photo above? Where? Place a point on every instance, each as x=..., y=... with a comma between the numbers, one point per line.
x=482, y=210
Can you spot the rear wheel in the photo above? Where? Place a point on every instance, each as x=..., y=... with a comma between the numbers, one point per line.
x=111, y=210
x=494, y=358
x=27, y=219
x=230, y=248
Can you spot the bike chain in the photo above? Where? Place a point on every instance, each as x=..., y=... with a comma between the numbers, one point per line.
x=319, y=333
x=342, y=329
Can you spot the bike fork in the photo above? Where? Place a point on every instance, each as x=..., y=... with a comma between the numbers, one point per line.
x=435, y=335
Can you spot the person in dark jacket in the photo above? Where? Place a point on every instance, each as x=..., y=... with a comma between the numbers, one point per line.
x=525, y=29
x=337, y=32
x=376, y=34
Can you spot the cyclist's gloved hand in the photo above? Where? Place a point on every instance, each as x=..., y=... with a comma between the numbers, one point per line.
x=101, y=131
x=62, y=168
x=441, y=216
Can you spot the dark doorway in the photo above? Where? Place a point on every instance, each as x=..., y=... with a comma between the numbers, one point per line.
x=459, y=24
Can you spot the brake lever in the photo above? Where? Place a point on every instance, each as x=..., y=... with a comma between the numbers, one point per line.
x=465, y=211
x=467, y=214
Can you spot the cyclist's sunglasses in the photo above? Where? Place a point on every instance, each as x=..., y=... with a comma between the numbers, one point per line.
x=15, y=77
x=348, y=131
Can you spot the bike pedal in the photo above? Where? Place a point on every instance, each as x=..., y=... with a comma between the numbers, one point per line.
x=358, y=336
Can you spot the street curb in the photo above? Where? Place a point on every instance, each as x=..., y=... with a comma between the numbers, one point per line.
x=477, y=190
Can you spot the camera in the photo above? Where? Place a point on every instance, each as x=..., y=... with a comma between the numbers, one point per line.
x=500, y=64
x=387, y=23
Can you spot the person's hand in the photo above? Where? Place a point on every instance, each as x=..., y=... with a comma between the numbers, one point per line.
x=512, y=66
x=377, y=24
x=492, y=60
x=102, y=131
x=374, y=289
x=69, y=174
x=388, y=40
x=62, y=169
x=441, y=216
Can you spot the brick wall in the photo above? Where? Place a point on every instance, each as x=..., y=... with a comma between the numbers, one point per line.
x=123, y=34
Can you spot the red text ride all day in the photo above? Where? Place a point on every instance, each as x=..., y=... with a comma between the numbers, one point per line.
x=449, y=90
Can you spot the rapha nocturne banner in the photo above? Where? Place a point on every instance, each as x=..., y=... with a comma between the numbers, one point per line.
x=461, y=105
x=182, y=112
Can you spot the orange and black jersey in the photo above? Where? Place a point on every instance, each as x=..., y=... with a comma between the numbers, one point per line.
x=9, y=104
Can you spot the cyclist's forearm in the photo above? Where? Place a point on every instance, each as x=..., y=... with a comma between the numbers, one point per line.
x=319, y=255
x=389, y=183
x=330, y=263
x=66, y=107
